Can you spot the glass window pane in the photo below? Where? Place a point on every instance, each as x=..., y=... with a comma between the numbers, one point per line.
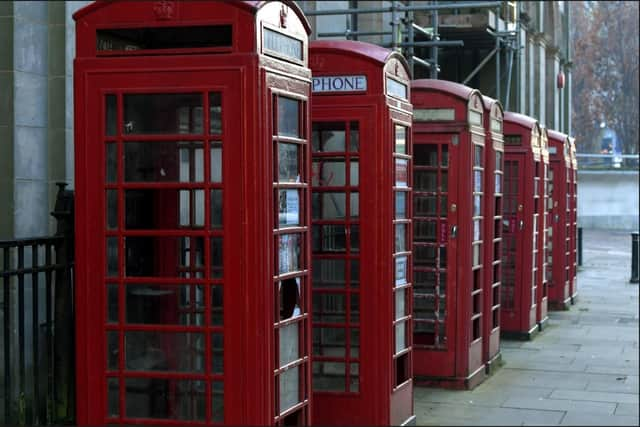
x=477, y=181
x=112, y=350
x=400, y=303
x=112, y=303
x=401, y=339
x=152, y=256
x=329, y=172
x=198, y=208
x=329, y=206
x=354, y=174
x=112, y=256
x=425, y=180
x=401, y=205
x=288, y=167
x=163, y=208
x=289, y=388
x=113, y=397
x=425, y=205
x=216, y=257
x=498, y=188
x=355, y=273
x=476, y=229
x=477, y=205
x=215, y=113
x=111, y=114
x=216, y=164
x=328, y=341
x=329, y=238
x=217, y=305
x=355, y=238
x=289, y=338
x=164, y=304
x=329, y=308
x=289, y=208
x=402, y=172
x=289, y=291
x=355, y=342
x=289, y=253
x=329, y=376
x=217, y=401
x=401, y=237
x=112, y=209
x=216, y=208
x=328, y=273
x=354, y=307
x=164, y=351
x=163, y=398
x=111, y=162
x=401, y=140
x=168, y=113
x=217, y=353
x=478, y=159
x=424, y=231
x=354, y=137
x=163, y=162
x=355, y=205
x=401, y=270
x=331, y=137
x=288, y=117
x=445, y=156
x=425, y=154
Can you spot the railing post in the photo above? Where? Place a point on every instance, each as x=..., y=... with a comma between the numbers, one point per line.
x=635, y=257
x=579, y=246
x=64, y=336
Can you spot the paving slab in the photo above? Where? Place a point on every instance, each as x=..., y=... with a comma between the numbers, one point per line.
x=582, y=369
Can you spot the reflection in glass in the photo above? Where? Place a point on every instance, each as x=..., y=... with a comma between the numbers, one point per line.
x=289, y=343
x=425, y=154
x=401, y=205
x=329, y=376
x=288, y=253
x=476, y=205
x=402, y=172
x=477, y=181
x=424, y=231
x=328, y=273
x=445, y=156
x=328, y=307
x=112, y=350
x=477, y=155
x=355, y=205
x=217, y=305
x=216, y=208
x=425, y=205
x=425, y=180
x=330, y=172
x=401, y=339
x=328, y=238
x=217, y=353
x=164, y=304
x=112, y=209
x=149, y=351
x=329, y=137
x=401, y=140
x=162, y=398
x=112, y=256
x=111, y=162
x=354, y=169
x=354, y=135
x=400, y=304
x=328, y=341
x=355, y=238
x=401, y=270
x=355, y=308
x=112, y=303
x=289, y=388
x=288, y=117
x=288, y=168
x=216, y=257
x=401, y=237
x=216, y=163
x=217, y=401
x=165, y=256
x=215, y=113
x=168, y=113
x=163, y=162
x=113, y=397
x=476, y=229
x=329, y=205
x=110, y=115
x=179, y=208
x=355, y=273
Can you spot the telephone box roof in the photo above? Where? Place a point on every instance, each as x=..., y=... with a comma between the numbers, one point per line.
x=457, y=89
x=251, y=5
x=367, y=50
x=521, y=119
x=557, y=135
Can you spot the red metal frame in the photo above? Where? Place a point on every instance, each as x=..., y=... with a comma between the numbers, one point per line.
x=544, y=238
x=493, y=187
x=574, y=222
x=449, y=163
x=361, y=280
x=560, y=220
x=188, y=275
x=522, y=187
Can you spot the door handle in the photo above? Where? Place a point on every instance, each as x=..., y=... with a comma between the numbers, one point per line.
x=520, y=225
x=454, y=231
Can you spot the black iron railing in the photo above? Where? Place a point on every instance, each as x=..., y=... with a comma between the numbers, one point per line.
x=36, y=325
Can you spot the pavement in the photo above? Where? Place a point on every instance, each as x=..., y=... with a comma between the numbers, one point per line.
x=582, y=369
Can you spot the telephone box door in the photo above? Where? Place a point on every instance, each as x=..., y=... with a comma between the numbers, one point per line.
x=434, y=244
x=158, y=326
x=512, y=242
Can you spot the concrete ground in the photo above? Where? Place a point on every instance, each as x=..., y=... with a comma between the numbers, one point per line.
x=581, y=370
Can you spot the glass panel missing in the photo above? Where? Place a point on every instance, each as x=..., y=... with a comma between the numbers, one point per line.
x=132, y=39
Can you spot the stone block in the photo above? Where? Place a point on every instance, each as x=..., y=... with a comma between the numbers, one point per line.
x=595, y=396
x=33, y=11
x=30, y=153
x=6, y=42
x=31, y=47
x=57, y=56
x=560, y=405
x=31, y=216
x=6, y=152
x=31, y=100
x=6, y=100
x=573, y=418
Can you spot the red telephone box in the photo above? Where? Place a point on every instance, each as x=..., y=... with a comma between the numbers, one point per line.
x=520, y=233
x=492, y=253
x=448, y=198
x=560, y=221
x=361, y=153
x=193, y=219
x=544, y=240
x=574, y=221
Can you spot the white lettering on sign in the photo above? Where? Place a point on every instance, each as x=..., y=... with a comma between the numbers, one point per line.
x=339, y=84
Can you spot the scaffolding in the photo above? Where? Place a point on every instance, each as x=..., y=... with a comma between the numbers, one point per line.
x=405, y=34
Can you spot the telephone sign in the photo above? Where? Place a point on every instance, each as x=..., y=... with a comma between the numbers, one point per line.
x=324, y=84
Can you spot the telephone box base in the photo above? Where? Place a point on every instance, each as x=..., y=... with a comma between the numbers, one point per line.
x=560, y=305
x=492, y=365
x=453, y=383
x=520, y=335
x=411, y=421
